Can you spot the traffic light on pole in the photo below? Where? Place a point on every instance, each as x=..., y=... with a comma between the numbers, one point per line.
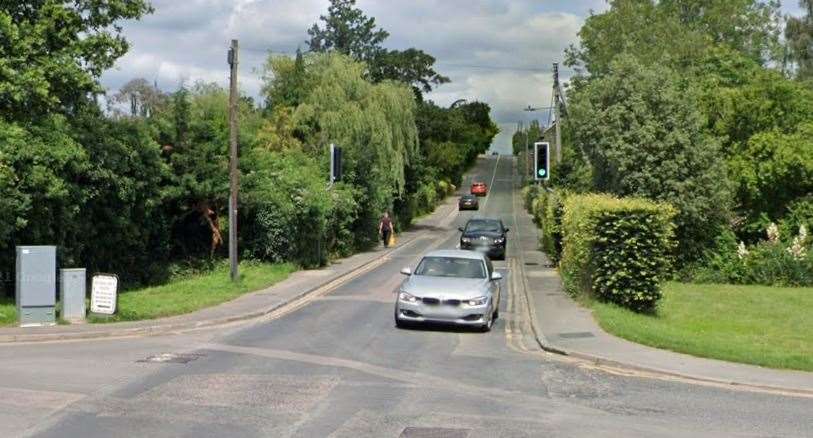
x=541, y=161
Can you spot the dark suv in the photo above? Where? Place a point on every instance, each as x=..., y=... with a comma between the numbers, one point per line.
x=485, y=235
x=468, y=202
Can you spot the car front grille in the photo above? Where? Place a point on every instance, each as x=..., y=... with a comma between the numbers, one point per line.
x=437, y=301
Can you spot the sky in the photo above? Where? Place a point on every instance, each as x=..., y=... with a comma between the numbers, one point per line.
x=496, y=51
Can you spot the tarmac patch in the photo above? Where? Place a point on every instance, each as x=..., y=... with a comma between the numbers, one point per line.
x=576, y=335
x=434, y=432
x=171, y=358
x=273, y=392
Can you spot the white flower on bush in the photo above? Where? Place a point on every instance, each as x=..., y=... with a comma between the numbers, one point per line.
x=773, y=233
x=797, y=249
x=742, y=251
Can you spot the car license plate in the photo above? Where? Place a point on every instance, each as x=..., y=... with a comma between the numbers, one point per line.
x=482, y=249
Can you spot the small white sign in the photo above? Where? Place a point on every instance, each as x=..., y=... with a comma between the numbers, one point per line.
x=103, y=290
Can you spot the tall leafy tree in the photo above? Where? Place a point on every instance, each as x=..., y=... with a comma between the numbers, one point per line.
x=374, y=123
x=52, y=52
x=347, y=30
x=410, y=66
x=644, y=136
x=140, y=97
x=799, y=36
x=676, y=32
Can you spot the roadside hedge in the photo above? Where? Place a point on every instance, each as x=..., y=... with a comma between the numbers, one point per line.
x=529, y=195
x=617, y=249
x=550, y=214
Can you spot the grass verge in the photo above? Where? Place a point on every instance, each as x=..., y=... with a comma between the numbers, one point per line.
x=191, y=293
x=759, y=325
x=8, y=311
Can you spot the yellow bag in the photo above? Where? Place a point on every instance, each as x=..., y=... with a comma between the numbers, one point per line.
x=392, y=240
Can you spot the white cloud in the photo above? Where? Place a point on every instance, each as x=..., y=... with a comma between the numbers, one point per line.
x=495, y=51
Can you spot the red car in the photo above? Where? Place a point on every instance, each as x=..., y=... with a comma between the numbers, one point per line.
x=479, y=189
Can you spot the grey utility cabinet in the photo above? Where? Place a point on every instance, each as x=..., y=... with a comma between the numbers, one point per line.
x=35, y=289
x=72, y=291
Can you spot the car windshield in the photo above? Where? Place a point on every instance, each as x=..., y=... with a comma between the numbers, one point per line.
x=468, y=197
x=492, y=226
x=451, y=267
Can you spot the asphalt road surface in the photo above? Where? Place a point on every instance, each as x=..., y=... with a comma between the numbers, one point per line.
x=338, y=367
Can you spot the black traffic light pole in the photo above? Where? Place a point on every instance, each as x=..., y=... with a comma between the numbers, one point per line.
x=541, y=161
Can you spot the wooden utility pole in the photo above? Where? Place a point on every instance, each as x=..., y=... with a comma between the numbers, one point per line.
x=233, y=169
x=557, y=111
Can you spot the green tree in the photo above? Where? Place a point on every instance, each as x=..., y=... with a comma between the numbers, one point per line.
x=676, y=33
x=53, y=52
x=760, y=100
x=124, y=228
x=643, y=135
x=285, y=81
x=410, y=66
x=526, y=137
x=799, y=36
x=772, y=171
x=468, y=127
x=194, y=131
x=348, y=31
x=374, y=123
x=140, y=97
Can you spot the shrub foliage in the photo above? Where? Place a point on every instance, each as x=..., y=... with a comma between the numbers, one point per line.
x=617, y=250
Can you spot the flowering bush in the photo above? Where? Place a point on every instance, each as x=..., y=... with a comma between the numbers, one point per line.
x=770, y=262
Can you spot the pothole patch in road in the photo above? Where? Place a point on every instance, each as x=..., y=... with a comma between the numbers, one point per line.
x=434, y=432
x=171, y=358
x=276, y=393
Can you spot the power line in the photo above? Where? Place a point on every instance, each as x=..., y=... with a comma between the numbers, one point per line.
x=491, y=67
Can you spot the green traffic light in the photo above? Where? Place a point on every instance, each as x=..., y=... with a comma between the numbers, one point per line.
x=541, y=172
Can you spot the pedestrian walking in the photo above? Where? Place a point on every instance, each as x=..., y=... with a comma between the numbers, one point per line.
x=385, y=229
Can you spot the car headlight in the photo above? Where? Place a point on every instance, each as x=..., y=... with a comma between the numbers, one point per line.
x=499, y=240
x=407, y=298
x=465, y=240
x=479, y=301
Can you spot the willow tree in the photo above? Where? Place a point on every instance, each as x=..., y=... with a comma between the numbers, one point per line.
x=373, y=123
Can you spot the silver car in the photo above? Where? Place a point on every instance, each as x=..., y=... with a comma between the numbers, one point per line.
x=453, y=286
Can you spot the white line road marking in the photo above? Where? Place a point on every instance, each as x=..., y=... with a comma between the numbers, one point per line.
x=491, y=186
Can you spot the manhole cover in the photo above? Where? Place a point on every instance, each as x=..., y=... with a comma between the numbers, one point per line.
x=434, y=432
x=171, y=358
x=576, y=335
x=531, y=264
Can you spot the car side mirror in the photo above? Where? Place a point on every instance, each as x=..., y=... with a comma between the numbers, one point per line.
x=507, y=230
x=496, y=276
x=406, y=271
x=460, y=229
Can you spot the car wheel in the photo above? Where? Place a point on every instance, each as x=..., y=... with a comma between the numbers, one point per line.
x=496, y=314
